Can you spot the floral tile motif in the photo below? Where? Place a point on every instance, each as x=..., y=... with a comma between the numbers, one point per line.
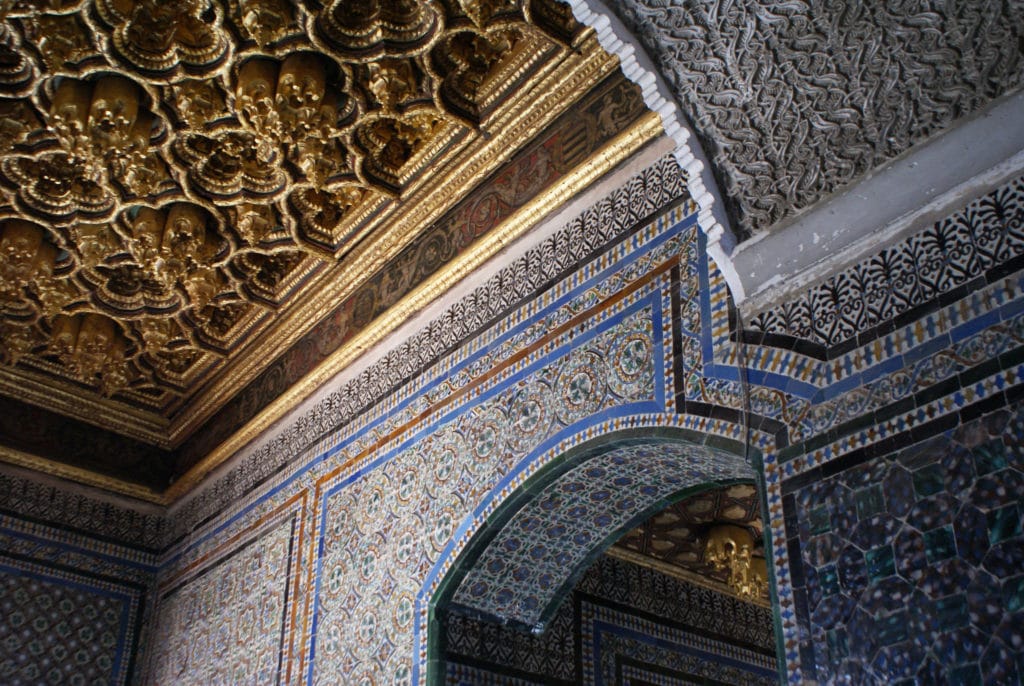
x=537, y=553
x=951, y=253
x=386, y=528
x=225, y=622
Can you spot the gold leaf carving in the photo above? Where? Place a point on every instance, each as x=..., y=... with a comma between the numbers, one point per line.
x=62, y=40
x=363, y=29
x=186, y=186
x=158, y=36
x=92, y=347
x=264, y=21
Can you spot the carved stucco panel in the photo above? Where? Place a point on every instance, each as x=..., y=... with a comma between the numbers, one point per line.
x=795, y=99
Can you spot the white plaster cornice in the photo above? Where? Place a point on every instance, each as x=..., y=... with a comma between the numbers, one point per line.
x=898, y=199
x=617, y=40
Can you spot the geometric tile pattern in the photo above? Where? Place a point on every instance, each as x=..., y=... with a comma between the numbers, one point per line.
x=495, y=648
x=613, y=639
x=711, y=613
x=71, y=606
x=395, y=513
x=638, y=601
x=540, y=549
x=390, y=645
x=608, y=220
x=55, y=632
x=468, y=675
x=224, y=624
x=386, y=529
x=912, y=562
x=986, y=233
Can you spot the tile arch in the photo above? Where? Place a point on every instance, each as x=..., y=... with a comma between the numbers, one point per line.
x=574, y=507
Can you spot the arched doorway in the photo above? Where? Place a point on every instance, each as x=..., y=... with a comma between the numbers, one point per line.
x=529, y=579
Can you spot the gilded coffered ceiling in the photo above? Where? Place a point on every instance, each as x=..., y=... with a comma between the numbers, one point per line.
x=202, y=202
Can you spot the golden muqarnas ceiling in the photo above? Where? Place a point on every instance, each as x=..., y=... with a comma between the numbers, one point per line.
x=187, y=186
x=715, y=539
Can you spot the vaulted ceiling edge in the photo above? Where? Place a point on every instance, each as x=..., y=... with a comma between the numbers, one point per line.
x=795, y=100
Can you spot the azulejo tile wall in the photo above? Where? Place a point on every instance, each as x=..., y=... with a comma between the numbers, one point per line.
x=71, y=606
x=395, y=496
x=620, y=623
x=223, y=621
x=912, y=563
x=528, y=565
x=386, y=504
x=856, y=528
x=375, y=560
x=384, y=489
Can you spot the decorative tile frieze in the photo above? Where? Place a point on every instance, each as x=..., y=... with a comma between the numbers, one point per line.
x=950, y=254
x=604, y=223
x=35, y=500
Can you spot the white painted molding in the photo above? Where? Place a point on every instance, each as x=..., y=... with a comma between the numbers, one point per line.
x=617, y=40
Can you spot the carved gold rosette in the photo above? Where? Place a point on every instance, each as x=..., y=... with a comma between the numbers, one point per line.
x=184, y=180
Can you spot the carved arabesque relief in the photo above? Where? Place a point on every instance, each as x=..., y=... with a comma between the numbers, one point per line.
x=794, y=99
x=172, y=169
